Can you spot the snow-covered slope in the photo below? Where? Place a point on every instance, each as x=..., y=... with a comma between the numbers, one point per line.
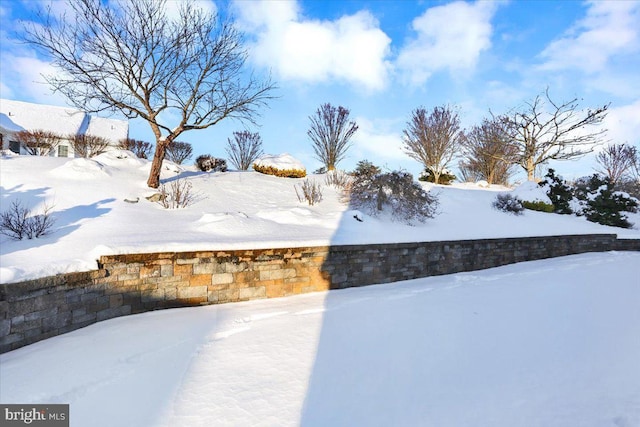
x=230, y=210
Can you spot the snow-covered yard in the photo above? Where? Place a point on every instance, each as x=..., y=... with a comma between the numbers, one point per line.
x=232, y=210
x=545, y=343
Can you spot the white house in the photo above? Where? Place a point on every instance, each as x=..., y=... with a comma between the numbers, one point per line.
x=16, y=116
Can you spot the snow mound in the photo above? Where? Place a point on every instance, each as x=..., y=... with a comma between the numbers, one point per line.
x=8, y=154
x=283, y=161
x=82, y=169
x=531, y=192
x=120, y=158
x=482, y=184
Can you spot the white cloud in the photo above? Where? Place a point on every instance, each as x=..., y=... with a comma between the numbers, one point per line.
x=610, y=28
x=623, y=124
x=22, y=76
x=449, y=37
x=378, y=140
x=352, y=48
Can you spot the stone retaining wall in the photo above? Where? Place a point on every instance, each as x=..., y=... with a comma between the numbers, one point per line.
x=127, y=284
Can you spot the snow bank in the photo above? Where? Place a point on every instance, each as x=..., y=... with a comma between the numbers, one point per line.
x=235, y=210
x=531, y=192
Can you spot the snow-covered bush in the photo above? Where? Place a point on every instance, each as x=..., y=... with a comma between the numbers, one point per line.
x=427, y=175
x=309, y=191
x=283, y=165
x=373, y=191
x=208, y=163
x=509, y=203
x=602, y=204
x=17, y=222
x=558, y=191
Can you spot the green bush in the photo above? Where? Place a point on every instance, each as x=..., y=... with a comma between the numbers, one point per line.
x=602, y=204
x=446, y=178
x=558, y=192
x=538, y=206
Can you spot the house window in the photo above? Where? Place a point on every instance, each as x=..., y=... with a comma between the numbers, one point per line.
x=14, y=146
x=63, y=151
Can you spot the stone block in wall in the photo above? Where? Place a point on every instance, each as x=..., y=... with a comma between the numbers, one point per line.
x=200, y=280
x=252, y=293
x=5, y=327
x=110, y=313
x=192, y=292
x=221, y=278
x=183, y=269
x=152, y=295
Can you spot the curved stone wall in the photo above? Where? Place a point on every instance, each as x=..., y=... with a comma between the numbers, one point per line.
x=127, y=284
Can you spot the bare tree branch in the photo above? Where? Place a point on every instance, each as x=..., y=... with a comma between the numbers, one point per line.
x=330, y=134
x=544, y=130
x=489, y=152
x=244, y=149
x=616, y=160
x=433, y=138
x=178, y=74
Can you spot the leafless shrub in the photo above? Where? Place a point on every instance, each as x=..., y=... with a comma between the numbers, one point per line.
x=141, y=149
x=178, y=152
x=330, y=133
x=338, y=179
x=18, y=222
x=38, y=142
x=177, y=195
x=489, y=153
x=433, y=138
x=310, y=191
x=88, y=145
x=244, y=149
x=616, y=161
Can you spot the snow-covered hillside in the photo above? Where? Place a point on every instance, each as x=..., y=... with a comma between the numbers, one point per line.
x=549, y=343
x=230, y=210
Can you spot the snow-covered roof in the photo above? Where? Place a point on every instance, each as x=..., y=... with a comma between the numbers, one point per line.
x=61, y=120
x=8, y=125
x=113, y=130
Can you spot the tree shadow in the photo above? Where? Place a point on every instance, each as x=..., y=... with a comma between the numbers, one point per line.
x=343, y=388
x=66, y=221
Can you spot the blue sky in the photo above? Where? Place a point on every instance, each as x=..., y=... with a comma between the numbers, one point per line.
x=382, y=59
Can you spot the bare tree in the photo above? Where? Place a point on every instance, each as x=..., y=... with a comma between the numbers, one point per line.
x=38, y=142
x=244, y=149
x=142, y=149
x=177, y=73
x=88, y=145
x=433, y=138
x=178, y=151
x=544, y=130
x=330, y=134
x=489, y=152
x=616, y=160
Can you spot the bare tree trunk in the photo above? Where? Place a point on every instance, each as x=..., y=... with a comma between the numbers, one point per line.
x=156, y=164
